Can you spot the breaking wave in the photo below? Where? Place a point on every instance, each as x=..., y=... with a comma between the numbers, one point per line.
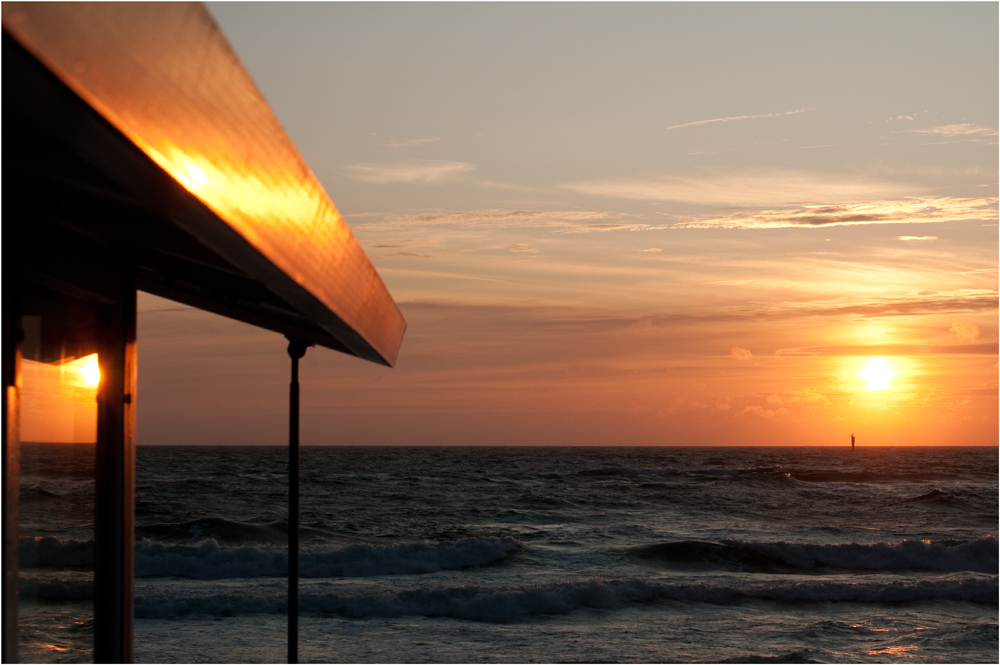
x=209, y=560
x=510, y=604
x=50, y=552
x=62, y=587
x=979, y=556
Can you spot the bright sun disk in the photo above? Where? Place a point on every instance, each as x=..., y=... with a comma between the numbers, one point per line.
x=877, y=374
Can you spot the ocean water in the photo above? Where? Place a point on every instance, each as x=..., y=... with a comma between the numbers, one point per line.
x=532, y=555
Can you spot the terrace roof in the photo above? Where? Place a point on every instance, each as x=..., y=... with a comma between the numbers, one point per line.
x=135, y=128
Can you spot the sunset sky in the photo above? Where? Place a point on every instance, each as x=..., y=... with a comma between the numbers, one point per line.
x=642, y=224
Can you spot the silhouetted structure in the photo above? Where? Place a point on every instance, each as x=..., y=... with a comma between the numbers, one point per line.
x=138, y=154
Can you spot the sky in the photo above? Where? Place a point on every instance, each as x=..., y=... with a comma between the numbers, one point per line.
x=627, y=224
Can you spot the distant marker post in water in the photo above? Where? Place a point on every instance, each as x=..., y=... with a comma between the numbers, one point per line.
x=296, y=349
x=852, y=441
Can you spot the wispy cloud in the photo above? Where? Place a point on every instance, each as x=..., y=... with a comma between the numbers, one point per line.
x=754, y=188
x=964, y=129
x=733, y=118
x=961, y=300
x=570, y=220
x=893, y=350
x=408, y=143
x=917, y=237
x=426, y=171
x=906, y=211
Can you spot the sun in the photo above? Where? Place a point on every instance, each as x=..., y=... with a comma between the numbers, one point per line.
x=877, y=374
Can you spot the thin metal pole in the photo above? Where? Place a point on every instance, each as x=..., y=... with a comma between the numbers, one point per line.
x=296, y=349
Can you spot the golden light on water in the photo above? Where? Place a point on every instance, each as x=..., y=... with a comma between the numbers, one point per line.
x=877, y=373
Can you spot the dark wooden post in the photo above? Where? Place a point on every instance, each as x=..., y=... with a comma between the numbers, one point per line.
x=114, y=523
x=296, y=349
x=11, y=360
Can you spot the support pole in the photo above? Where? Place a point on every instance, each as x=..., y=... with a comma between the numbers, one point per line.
x=296, y=349
x=114, y=486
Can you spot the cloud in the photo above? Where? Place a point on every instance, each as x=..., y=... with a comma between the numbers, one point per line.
x=804, y=397
x=573, y=220
x=754, y=188
x=409, y=143
x=911, y=399
x=761, y=412
x=916, y=210
x=652, y=250
x=427, y=171
x=917, y=237
x=733, y=118
x=964, y=331
x=588, y=228
x=965, y=129
x=740, y=354
x=964, y=301
x=893, y=350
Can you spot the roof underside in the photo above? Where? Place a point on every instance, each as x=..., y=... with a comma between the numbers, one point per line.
x=135, y=128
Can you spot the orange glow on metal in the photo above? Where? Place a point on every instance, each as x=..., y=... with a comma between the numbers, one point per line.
x=164, y=75
x=89, y=369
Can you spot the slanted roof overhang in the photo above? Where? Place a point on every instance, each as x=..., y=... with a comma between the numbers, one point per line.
x=134, y=127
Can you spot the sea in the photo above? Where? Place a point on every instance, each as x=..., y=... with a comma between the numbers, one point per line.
x=522, y=555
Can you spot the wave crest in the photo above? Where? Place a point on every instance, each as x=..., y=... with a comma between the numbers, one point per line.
x=509, y=604
x=979, y=556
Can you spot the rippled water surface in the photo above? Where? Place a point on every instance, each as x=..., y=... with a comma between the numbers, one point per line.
x=525, y=555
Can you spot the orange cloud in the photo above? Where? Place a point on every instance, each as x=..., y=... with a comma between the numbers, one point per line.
x=761, y=412
x=916, y=210
x=425, y=171
x=740, y=354
x=494, y=219
x=964, y=331
x=964, y=129
x=745, y=188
